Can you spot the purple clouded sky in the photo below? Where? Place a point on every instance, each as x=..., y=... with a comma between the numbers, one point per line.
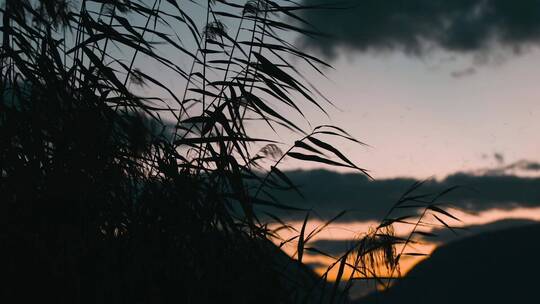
x=427, y=112
x=420, y=119
x=434, y=87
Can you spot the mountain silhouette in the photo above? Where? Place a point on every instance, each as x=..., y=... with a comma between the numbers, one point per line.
x=493, y=267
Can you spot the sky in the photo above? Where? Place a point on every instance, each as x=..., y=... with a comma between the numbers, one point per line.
x=450, y=92
x=421, y=121
x=437, y=89
x=456, y=91
x=433, y=87
x=442, y=89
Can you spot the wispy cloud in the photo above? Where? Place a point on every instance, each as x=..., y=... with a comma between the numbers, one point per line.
x=519, y=167
x=464, y=72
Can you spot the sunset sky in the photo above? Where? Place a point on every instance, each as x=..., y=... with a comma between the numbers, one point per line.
x=443, y=89
x=420, y=120
x=271, y=150
x=435, y=88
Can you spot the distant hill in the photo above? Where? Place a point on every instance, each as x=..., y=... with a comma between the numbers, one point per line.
x=493, y=267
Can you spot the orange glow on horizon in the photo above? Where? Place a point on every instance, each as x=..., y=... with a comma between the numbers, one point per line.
x=352, y=230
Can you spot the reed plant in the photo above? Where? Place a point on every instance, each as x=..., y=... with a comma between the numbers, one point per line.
x=118, y=186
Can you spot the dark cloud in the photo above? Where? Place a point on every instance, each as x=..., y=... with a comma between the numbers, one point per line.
x=499, y=158
x=418, y=26
x=333, y=247
x=521, y=166
x=329, y=193
x=463, y=73
x=525, y=165
x=315, y=265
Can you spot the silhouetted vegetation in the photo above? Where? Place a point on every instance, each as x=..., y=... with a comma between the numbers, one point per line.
x=114, y=195
x=491, y=267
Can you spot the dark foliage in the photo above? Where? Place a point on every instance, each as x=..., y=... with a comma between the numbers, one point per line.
x=104, y=200
x=492, y=267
